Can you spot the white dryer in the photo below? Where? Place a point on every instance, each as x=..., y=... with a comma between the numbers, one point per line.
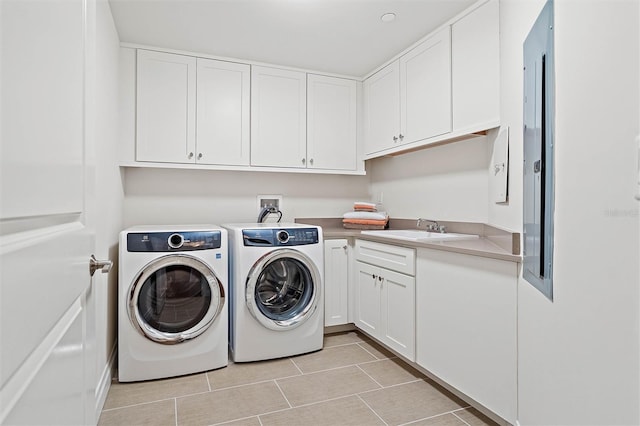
x=172, y=307
x=276, y=283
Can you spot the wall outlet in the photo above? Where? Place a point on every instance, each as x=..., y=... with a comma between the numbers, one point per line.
x=269, y=200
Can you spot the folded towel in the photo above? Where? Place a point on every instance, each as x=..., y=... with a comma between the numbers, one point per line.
x=364, y=206
x=365, y=221
x=360, y=226
x=366, y=215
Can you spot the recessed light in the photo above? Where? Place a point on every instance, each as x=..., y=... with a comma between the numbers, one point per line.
x=388, y=17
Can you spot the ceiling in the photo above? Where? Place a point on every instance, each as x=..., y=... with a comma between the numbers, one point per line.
x=344, y=37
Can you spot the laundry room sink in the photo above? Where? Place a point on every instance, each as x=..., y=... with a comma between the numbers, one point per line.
x=419, y=235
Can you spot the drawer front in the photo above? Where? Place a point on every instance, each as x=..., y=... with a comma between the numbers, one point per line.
x=395, y=258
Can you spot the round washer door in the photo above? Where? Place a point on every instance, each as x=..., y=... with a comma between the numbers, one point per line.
x=283, y=289
x=175, y=298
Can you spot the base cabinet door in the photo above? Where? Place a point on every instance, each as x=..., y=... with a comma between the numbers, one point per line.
x=336, y=282
x=466, y=326
x=367, y=293
x=385, y=303
x=397, y=312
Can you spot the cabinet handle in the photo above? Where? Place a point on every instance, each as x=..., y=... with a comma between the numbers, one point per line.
x=311, y=161
x=304, y=161
x=374, y=276
x=401, y=136
x=190, y=156
x=344, y=248
x=395, y=139
x=199, y=156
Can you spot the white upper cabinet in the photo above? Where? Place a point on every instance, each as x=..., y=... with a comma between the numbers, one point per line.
x=425, y=89
x=446, y=87
x=382, y=108
x=410, y=99
x=331, y=123
x=278, y=117
x=166, y=104
x=222, y=129
x=192, y=110
x=475, y=62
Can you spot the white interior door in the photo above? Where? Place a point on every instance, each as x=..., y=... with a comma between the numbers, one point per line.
x=46, y=366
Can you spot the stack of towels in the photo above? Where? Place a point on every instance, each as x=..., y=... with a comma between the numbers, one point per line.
x=365, y=216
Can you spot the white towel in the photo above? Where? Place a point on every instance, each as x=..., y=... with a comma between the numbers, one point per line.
x=366, y=215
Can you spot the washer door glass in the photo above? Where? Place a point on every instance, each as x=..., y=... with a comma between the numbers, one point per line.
x=283, y=289
x=175, y=298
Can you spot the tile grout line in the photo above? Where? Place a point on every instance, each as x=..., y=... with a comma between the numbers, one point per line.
x=296, y=365
x=175, y=409
x=461, y=419
x=373, y=355
x=372, y=410
x=208, y=382
x=282, y=393
x=371, y=377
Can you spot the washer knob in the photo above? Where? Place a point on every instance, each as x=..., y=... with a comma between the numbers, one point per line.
x=283, y=236
x=175, y=241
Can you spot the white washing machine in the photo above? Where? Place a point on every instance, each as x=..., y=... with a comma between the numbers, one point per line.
x=172, y=301
x=276, y=283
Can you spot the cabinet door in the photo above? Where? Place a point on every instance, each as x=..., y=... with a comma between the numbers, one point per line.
x=397, y=318
x=367, y=295
x=382, y=109
x=475, y=43
x=222, y=129
x=278, y=117
x=425, y=89
x=165, y=108
x=336, y=282
x=466, y=326
x=331, y=123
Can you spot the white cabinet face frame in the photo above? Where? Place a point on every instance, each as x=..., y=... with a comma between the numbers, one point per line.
x=166, y=107
x=278, y=117
x=223, y=106
x=331, y=123
x=425, y=89
x=336, y=282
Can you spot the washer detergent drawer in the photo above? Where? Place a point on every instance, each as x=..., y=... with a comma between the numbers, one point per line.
x=394, y=258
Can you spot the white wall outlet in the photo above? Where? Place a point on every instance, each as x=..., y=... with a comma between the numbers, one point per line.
x=269, y=200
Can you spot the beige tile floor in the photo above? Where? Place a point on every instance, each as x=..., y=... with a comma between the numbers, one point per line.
x=352, y=381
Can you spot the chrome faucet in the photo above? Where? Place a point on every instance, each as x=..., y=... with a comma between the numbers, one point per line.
x=434, y=226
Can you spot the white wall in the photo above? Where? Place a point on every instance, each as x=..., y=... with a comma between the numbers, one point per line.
x=448, y=182
x=109, y=191
x=578, y=358
x=173, y=196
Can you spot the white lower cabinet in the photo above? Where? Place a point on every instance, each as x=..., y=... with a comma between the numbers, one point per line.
x=336, y=282
x=466, y=310
x=385, y=298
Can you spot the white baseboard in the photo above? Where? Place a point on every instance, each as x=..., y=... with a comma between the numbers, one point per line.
x=104, y=384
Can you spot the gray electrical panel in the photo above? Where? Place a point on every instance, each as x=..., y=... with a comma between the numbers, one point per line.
x=539, y=132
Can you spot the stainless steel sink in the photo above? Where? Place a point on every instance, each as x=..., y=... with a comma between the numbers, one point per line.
x=418, y=235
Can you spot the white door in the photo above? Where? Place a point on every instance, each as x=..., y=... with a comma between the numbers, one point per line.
x=367, y=295
x=47, y=367
x=222, y=125
x=165, y=107
x=331, y=123
x=278, y=117
x=425, y=89
x=397, y=317
x=382, y=109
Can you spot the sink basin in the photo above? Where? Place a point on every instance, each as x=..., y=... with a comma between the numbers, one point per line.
x=418, y=235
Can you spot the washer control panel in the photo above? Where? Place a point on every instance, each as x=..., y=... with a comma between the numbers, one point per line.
x=173, y=241
x=280, y=237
